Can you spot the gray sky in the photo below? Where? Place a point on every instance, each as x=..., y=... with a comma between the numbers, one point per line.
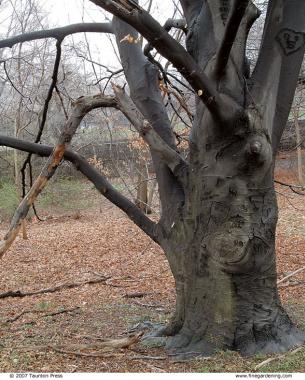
x=63, y=12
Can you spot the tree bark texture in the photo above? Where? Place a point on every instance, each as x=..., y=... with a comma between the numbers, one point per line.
x=219, y=210
x=219, y=233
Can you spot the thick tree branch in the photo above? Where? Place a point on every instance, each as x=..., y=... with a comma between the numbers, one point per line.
x=175, y=23
x=57, y=33
x=235, y=17
x=82, y=106
x=169, y=48
x=277, y=70
x=191, y=9
x=145, y=93
x=93, y=175
x=171, y=158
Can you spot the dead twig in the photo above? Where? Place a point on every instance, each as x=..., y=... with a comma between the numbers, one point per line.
x=109, y=344
x=145, y=357
x=11, y=320
x=61, y=311
x=86, y=354
x=279, y=357
x=298, y=283
x=291, y=274
x=154, y=368
x=135, y=295
x=157, y=307
x=20, y=293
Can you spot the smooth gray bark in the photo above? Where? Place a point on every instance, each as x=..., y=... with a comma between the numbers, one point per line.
x=219, y=210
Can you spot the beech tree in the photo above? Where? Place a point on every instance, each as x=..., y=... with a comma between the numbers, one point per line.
x=219, y=208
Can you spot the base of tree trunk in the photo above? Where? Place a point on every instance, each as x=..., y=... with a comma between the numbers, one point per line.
x=277, y=338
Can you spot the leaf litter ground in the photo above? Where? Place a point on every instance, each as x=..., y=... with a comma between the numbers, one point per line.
x=39, y=332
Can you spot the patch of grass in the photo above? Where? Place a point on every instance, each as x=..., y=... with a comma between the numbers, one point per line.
x=67, y=194
x=9, y=199
x=290, y=363
x=44, y=305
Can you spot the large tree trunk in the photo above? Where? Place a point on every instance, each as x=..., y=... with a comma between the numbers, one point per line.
x=222, y=255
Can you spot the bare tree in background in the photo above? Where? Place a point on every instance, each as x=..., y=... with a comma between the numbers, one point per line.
x=219, y=210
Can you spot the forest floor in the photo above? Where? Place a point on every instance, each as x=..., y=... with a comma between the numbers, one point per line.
x=62, y=331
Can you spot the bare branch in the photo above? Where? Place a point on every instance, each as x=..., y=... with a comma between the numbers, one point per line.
x=175, y=23
x=57, y=33
x=169, y=48
x=82, y=106
x=237, y=12
x=53, y=289
x=44, y=114
x=155, y=142
x=291, y=275
x=292, y=187
x=93, y=175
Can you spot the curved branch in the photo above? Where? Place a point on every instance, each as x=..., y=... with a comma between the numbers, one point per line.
x=170, y=157
x=57, y=33
x=99, y=181
x=82, y=106
x=175, y=23
x=169, y=48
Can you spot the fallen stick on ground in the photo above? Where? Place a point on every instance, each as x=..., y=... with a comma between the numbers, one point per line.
x=298, y=283
x=20, y=293
x=78, y=353
x=154, y=368
x=11, y=320
x=135, y=295
x=279, y=357
x=145, y=357
x=158, y=307
x=76, y=349
x=291, y=274
x=108, y=343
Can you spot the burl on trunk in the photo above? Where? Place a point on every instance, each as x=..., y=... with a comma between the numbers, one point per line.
x=222, y=253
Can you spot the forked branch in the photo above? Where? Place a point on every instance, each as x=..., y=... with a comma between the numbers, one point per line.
x=82, y=106
x=170, y=157
x=57, y=33
x=169, y=48
x=93, y=175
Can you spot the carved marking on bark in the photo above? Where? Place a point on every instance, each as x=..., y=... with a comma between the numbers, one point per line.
x=290, y=40
x=224, y=10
